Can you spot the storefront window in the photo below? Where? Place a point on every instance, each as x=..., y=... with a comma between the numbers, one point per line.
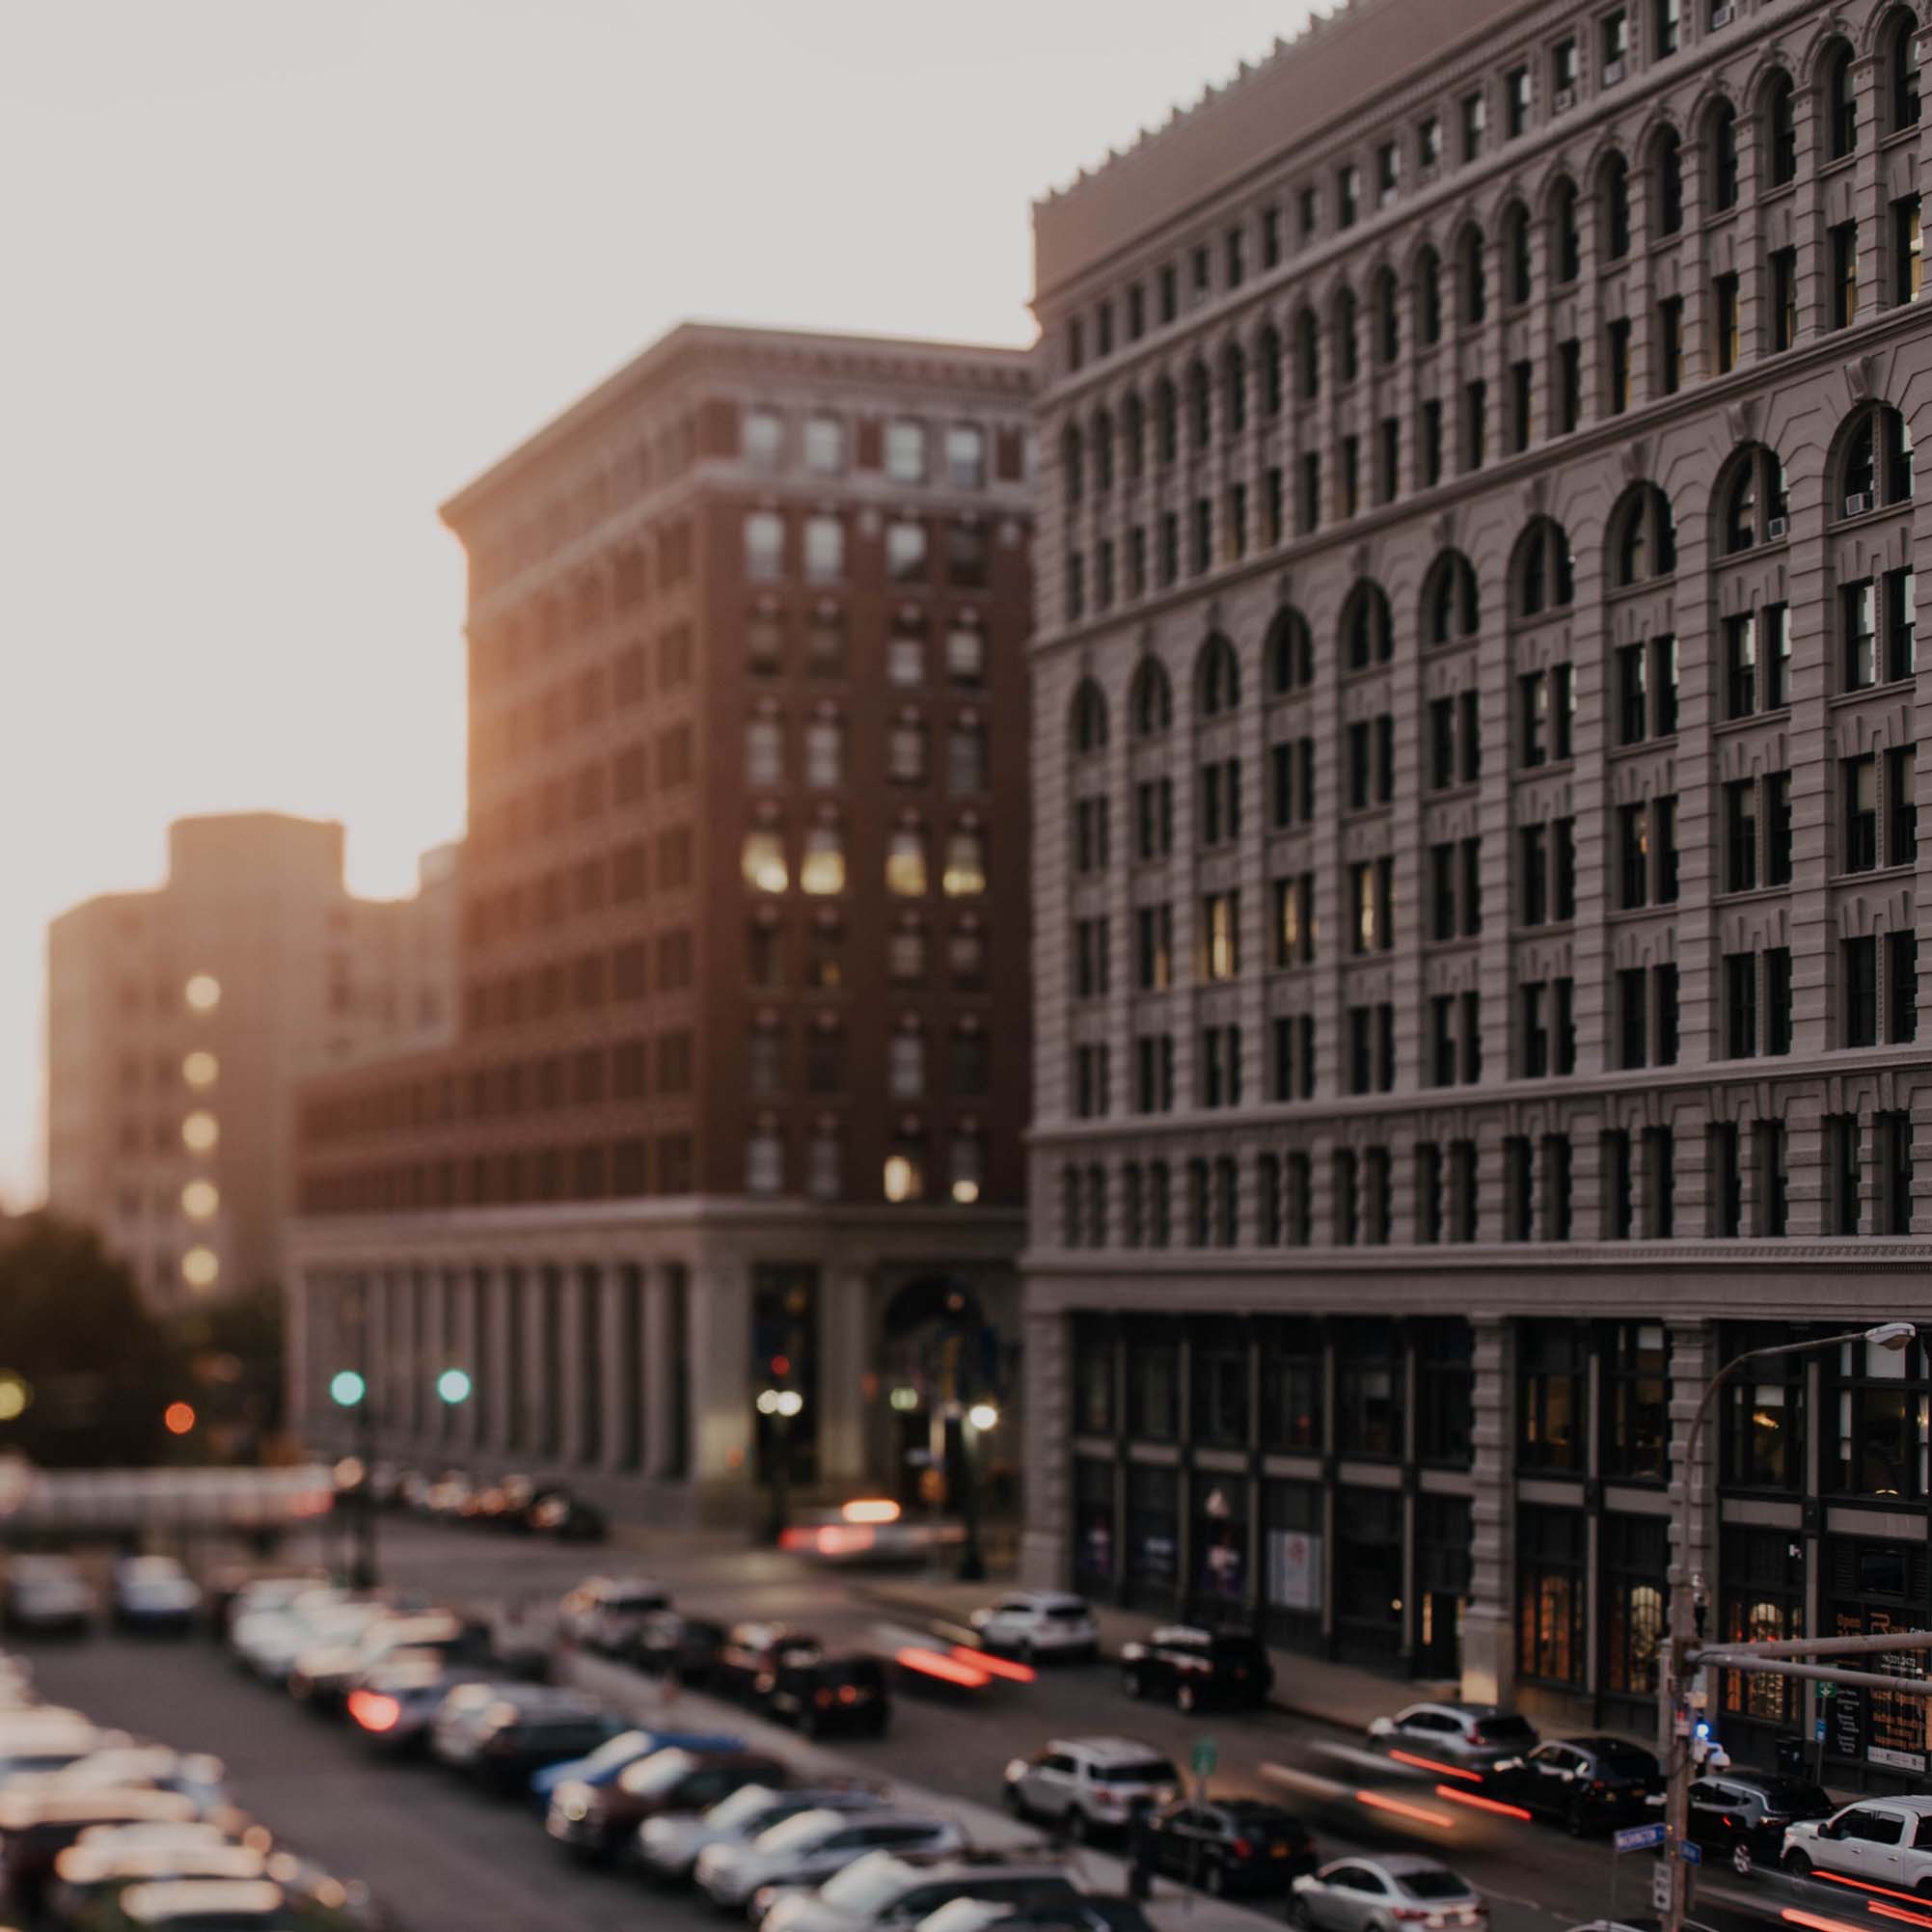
x=1219, y=1352
x=1551, y=1397
x=1765, y=1418
x=1369, y=1573
x=1369, y=1395
x=1634, y=1563
x=1153, y=1382
x=1878, y=1589
x=1093, y=1374
x=1152, y=1535
x=1550, y=1569
x=1763, y=1600
x=1445, y=1381
x=1442, y=1563
x=1636, y=1401
x=1293, y=1562
x=1220, y=1544
x=1292, y=1384
x=1094, y=1555
x=1880, y=1407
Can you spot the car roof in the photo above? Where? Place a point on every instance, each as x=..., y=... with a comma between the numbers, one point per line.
x=187, y=1897
x=1919, y=1807
x=1110, y=1749
x=1044, y=1599
x=976, y=1861
x=1400, y=1865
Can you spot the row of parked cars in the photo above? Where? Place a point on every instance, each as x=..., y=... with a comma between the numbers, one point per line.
x=517, y=1503
x=104, y=1831
x=51, y=1595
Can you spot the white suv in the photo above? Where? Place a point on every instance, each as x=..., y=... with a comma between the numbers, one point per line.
x=1091, y=1784
x=1040, y=1623
x=1883, y=1841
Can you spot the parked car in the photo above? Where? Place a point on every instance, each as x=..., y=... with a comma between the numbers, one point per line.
x=1040, y=1623
x=139, y=1767
x=1197, y=1667
x=1587, y=1782
x=1884, y=1842
x=45, y=1738
x=823, y=1691
x=1368, y=1893
x=46, y=1596
x=1741, y=1816
x=1091, y=1784
x=394, y=1705
x=155, y=1594
x=606, y=1613
x=813, y=1847
x=1472, y=1737
x=569, y=1518
x=507, y=1731
x=602, y=1820
x=747, y=1664
x=669, y=1847
x=610, y=1760
x=672, y=1645
x=206, y=1905
x=325, y=1673
x=1090, y=1911
x=898, y=1888
x=1232, y=1844
x=36, y=1827
x=267, y=1643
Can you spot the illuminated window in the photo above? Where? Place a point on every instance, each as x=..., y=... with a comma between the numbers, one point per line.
x=905, y=863
x=199, y=1267
x=824, y=753
x=200, y=1070
x=825, y=548
x=906, y=1064
x=823, y=1164
x=204, y=992
x=200, y=1200
x=965, y=653
x=825, y=445
x=906, y=452
x=968, y=1165
x=764, y=544
x=906, y=551
x=905, y=1177
x=764, y=437
x=965, y=876
x=200, y=1131
x=823, y=870
x=764, y=861
x=966, y=456
x=765, y=1162
x=764, y=751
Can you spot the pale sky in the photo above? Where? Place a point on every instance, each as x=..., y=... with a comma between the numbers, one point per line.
x=276, y=276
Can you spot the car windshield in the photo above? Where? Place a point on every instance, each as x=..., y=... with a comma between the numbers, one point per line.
x=619, y=1752
x=862, y=1888
x=657, y=1773
x=1147, y=1771
x=1432, y=1885
x=1507, y=1730
x=1241, y=1647
x=637, y=1600
x=799, y=1830
x=1627, y=1759
x=1068, y=1613
x=744, y=1805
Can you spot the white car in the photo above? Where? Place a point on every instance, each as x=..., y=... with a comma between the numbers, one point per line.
x=891, y=1889
x=1475, y=1737
x=669, y=1847
x=46, y=1594
x=269, y=1644
x=1883, y=1841
x=153, y=1594
x=1091, y=1784
x=1040, y=1623
x=1372, y=1891
x=814, y=1846
x=606, y=1613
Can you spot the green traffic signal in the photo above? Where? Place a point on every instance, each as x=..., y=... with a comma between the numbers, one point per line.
x=452, y=1385
x=346, y=1388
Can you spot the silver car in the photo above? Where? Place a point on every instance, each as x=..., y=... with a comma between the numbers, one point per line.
x=813, y=1846
x=1474, y=1736
x=1376, y=1894
x=669, y=1847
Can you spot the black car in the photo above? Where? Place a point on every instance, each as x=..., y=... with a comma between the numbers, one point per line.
x=523, y=1741
x=670, y=1644
x=1197, y=1667
x=569, y=1518
x=1587, y=1782
x=1231, y=1844
x=823, y=1690
x=747, y=1664
x=1741, y=1815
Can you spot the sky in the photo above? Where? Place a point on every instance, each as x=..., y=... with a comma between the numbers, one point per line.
x=277, y=276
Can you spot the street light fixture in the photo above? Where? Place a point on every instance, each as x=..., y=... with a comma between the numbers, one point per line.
x=975, y=1422
x=782, y=1406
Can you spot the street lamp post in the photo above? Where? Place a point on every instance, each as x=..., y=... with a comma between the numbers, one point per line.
x=974, y=1422
x=1688, y=1607
x=350, y=1390
x=780, y=1407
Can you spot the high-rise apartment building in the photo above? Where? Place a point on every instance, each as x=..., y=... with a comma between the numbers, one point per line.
x=742, y=1063
x=180, y=1019
x=1477, y=587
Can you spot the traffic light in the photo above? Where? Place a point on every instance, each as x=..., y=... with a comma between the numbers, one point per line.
x=178, y=1418
x=346, y=1389
x=452, y=1386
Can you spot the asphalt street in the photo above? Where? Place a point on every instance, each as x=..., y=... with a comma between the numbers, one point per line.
x=442, y=1857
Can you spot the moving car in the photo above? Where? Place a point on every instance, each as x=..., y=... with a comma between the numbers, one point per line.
x=1741, y=1816
x=669, y=1847
x=267, y=1643
x=814, y=1846
x=1884, y=1842
x=85, y=1876
x=868, y=1530
x=747, y=1664
x=823, y=1690
x=606, y=1613
x=153, y=1594
x=1091, y=1784
x=603, y=1819
x=889, y=1889
x=570, y=1519
x=1232, y=1844
x=50, y=1739
x=47, y=1594
x=1370, y=1893
x=1473, y=1737
x=1040, y=1623
x=139, y=1767
x=610, y=1760
x=1197, y=1667
x=1587, y=1782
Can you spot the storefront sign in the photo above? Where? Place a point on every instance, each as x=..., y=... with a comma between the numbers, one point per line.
x=1294, y=1569
x=1899, y=1760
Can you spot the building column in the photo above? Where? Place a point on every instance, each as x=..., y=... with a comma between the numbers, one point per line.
x=662, y=1369
x=613, y=1312
x=299, y=1364
x=718, y=1369
x=496, y=1423
x=1046, y=1547
x=1489, y=1627
x=844, y=1356
x=582, y=1282
x=1692, y=1365
x=527, y=1341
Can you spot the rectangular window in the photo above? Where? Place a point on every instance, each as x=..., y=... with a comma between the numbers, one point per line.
x=1469, y=735
x=1844, y=275
x=1901, y=987
x=1908, y=258
x=1901, y=627
x=1858, y=611
x=1859, y=973
x=1633, y=857
x=1533, y=868
x=1778, y=1000
x=1562, y=869
x=1860, y=781
x=1619, y=1204
x=1569, y=385
x=1671, y=344
x=1740, y=663
x=1473, y=116
x=1784, y=298
x=1665, y=26
x=1845, y=1153
x=1726, y=343
x=1515, y=102
x=1432, y=443
x=1740, y=819
x=1902, y=810
x=1520, y=391
x=1633, y=1017
x=1895, y=1152
x=1616, y=398
x=1475, y=427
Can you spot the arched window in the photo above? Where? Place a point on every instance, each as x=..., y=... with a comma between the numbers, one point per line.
x=1568, y=236
x=1781, y=131
x=1721, y=144
x=1751, y=500
x=1103, y=452
x=1235, y=388
x=1153, y=699
x=1200, y=404
x=1546, y=571
x=1616, y=196
x=1472, y=275
x=1840, y=102
x=1667, y=172
x=1901, y=66
x=1518, y=280
x=1088, y=718
x=1875, y=463
x=1218, y=677
x=1368, y=634
x=1133, y=435
x=1451, y=608
x=1166, y=421
x=1307, y=356
x=1288, y=653
x=1074, y=462
x=1268, y=350
x=1429, y=297
x=1347, y=350
x=1388, y=318
x=1642, y=536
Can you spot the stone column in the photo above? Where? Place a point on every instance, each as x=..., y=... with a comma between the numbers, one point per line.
x=1046, y=1546
x=663, y=1457
x=495, y=1386
x=298, y=1366
x=844, y=1355
x=582, y=1285
x=613, y=1312
x=718, y=1368
x=1692, y=1365
x=1489, y=1628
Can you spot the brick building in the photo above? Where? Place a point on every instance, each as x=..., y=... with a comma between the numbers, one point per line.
x=1475, y=861
x=743, y=1056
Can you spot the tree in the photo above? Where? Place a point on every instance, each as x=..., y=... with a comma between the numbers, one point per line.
x=95, y=1367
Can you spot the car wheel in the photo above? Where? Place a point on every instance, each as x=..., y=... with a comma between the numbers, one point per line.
x=1577, y=1819
x=1924, y=1888
x=1024, y=1650
x=1741, y=1861
x=1797, y=1865
x=1214, y=1881
x=1298, y=1913
x=1079, y=1827
x=1016, y=1800
x=1130, y=1682
x=1186, y=1699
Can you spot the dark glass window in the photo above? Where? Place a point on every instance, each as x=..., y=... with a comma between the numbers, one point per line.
x=1369, y=1395
x=1551, y=1382
x=1636, y=1401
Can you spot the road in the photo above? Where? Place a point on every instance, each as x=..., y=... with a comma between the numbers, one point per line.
x=443, y=1857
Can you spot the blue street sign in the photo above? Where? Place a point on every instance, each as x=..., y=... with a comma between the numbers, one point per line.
x=1690, y=1851
x=1640, y=1838
x=1818, y=1731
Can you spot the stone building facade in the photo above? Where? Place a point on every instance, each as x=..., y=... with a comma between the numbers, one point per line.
x=1475, y=863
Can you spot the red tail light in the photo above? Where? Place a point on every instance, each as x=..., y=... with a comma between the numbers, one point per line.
x=823, y=1699
x=848, y=1694
x=373, y=1711
x=1241, y=1848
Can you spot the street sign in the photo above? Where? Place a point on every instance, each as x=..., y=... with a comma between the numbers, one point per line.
x=1638, y=1838
x=1818, y=1731
x=1207, y=1755
x=1690, y=1851
x=1660, y=1889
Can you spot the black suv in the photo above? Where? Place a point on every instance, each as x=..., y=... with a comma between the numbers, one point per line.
x=823, y=1690
x=1197, y=1667
x=1231, y=1844
x=747, y=1663
x=669, y=1644
x=1585, y=1783
x=1741, y=1815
